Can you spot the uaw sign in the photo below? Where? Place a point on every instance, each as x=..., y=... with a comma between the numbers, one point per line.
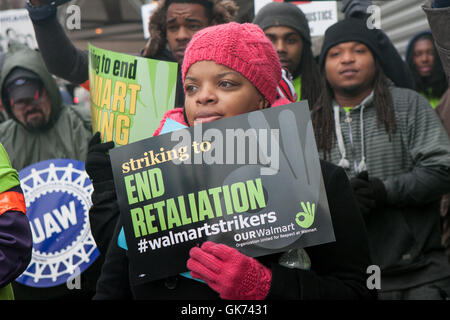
x=58, y=197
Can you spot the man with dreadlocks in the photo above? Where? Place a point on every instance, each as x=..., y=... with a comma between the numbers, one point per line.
x=397, y=154
x=426, y=67
x=287, y=27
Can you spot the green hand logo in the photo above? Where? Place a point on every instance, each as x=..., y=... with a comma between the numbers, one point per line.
x=306, y=218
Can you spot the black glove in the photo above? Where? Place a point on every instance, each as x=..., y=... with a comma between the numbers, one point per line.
x=370, y=193
x=98, y=163
x=43, y=11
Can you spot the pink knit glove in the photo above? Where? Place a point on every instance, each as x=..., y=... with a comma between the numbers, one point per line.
x=233, y=275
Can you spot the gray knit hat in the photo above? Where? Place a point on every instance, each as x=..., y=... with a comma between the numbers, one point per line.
x=283, y=14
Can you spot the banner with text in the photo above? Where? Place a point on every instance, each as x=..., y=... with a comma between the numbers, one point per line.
x=58, y=197
x=120, y=107
x=16, y=25
x=252, y=182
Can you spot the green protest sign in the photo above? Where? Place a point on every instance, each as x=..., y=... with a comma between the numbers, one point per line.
x=129, y=94
x=252, y=182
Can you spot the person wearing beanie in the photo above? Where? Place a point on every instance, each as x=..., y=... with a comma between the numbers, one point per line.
x=287, y=27
x=397, y=156
x=231, y=69
x=172, y=25
x=395, y=67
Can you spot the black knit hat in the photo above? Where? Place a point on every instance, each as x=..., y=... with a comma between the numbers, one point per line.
x=350, y=29
x=283, y=14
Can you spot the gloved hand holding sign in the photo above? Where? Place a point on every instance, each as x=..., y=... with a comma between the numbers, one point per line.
x=230, y=273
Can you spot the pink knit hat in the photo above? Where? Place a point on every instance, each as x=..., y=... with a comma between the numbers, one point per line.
x=241, y=47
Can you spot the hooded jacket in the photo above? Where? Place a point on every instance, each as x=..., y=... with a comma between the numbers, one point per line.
x=69, y=128
x=404, y=236
x=425, y=86
x=66, y=136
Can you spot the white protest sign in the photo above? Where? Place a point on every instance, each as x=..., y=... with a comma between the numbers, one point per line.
x=320, y=14
x=16, y=25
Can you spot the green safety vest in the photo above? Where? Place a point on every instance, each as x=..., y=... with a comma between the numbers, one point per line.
x=297, y=82
x=432, y=100
x=6, y=293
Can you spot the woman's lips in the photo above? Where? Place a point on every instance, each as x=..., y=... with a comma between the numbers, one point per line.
x=206, y=118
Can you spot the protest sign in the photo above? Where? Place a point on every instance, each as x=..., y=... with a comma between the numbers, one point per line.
x=16, y=25
x=121, y=109
x=252, y=182
x=58, y=197
x=320, y=14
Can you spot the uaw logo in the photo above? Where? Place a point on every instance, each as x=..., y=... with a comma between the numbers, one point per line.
x=58, y=197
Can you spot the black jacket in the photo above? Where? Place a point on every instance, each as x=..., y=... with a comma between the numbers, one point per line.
x=338, y=268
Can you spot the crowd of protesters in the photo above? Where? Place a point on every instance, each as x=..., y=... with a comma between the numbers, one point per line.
x=381, y=123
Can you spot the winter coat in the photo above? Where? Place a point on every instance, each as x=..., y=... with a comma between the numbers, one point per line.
x=426, y=90
x=69, y=129
x=67, y=136
x=414, y=164
x=439, y=20
x=338, y=269
x=15, y=233
x=443, y=110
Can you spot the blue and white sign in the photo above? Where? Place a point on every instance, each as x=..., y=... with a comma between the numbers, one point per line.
x=58, y=197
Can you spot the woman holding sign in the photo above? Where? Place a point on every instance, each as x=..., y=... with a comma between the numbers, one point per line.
x=229, y=70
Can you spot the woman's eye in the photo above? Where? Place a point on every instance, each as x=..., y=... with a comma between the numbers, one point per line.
x=226, y=84
x=190, y=88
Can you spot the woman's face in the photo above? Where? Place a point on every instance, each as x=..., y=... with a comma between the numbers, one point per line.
x=214, y=91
